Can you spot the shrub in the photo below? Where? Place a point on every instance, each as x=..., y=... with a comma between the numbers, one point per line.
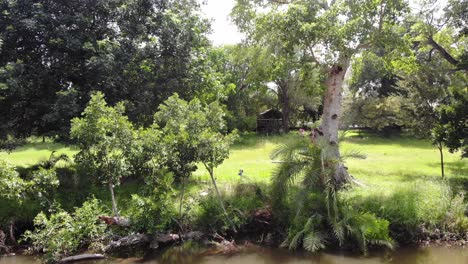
x=212, y=218
x=62, y=234
x=153, y=212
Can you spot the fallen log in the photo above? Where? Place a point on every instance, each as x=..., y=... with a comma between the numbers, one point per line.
x=128, y=243
x=81, y=257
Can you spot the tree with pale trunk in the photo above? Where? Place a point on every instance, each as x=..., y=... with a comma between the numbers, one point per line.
x=104, y=135
x=329, y=34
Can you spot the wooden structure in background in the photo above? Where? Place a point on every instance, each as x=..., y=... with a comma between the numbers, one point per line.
x=270, y=122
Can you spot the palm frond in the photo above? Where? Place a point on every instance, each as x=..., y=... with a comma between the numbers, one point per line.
x=314, y=241
x=338, y=230
x=355, y=154
x=297, y=238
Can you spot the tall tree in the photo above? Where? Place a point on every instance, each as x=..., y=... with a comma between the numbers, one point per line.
x=55, y=53
x=329, y=34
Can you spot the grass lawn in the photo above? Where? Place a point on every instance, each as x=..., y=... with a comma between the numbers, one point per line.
x=36, y=150
x=388, y=160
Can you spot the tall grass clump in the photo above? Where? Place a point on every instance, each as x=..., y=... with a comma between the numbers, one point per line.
x=413, y=208
x=240, y=204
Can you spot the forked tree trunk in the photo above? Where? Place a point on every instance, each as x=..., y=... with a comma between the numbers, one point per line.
x=331, y=117
x=114, y=203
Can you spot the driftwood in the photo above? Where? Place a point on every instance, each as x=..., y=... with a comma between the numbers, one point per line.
x=164, y=240
x=81, y=257
x=223, y=246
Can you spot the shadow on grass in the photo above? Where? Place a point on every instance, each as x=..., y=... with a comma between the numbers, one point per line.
x=453, y=168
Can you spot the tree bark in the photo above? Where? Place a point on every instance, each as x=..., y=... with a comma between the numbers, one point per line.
x=12, y=231
x=114, y=203
x=285, y=107
x=440, y=147
x=442, y=51
x=331, y=117
x=182, y=194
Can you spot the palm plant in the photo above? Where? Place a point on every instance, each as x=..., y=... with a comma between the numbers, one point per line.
x=305, y=180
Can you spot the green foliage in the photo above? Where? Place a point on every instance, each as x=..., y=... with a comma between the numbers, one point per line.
x=153, y=210
x=181, y=123
x=456, y=219
x=137, y=51
x=11, y=185
x=10, y=143
x=408, y=208
x=452, y=126
x=211, y=217
x=62, y=234
x=312, y=209
x=239, y=205
x=39, y=187
x=104, y=135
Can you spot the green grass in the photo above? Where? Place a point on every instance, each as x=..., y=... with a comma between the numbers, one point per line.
x=388, y=160
x=401, y=176
x=36, y=150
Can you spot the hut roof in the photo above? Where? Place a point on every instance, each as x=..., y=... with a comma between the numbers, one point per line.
x=271, y=114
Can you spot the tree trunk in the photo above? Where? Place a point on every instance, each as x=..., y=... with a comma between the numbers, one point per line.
x=210, y=170
x=114, y=203
x=331, y=117
x=182, y=197
x=12, y=232
x=440, y=147
x=285, y=108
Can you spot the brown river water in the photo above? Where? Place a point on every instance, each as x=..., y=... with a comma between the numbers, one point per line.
x=428, y=255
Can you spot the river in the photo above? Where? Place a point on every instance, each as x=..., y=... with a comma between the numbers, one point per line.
x=428, y=255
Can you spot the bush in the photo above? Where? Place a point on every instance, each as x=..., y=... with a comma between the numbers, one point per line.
x=62, y=234
x=155, y=211
x=212, y=218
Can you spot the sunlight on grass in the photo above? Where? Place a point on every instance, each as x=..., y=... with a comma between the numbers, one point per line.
x=36, y=151
x=388, y=160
